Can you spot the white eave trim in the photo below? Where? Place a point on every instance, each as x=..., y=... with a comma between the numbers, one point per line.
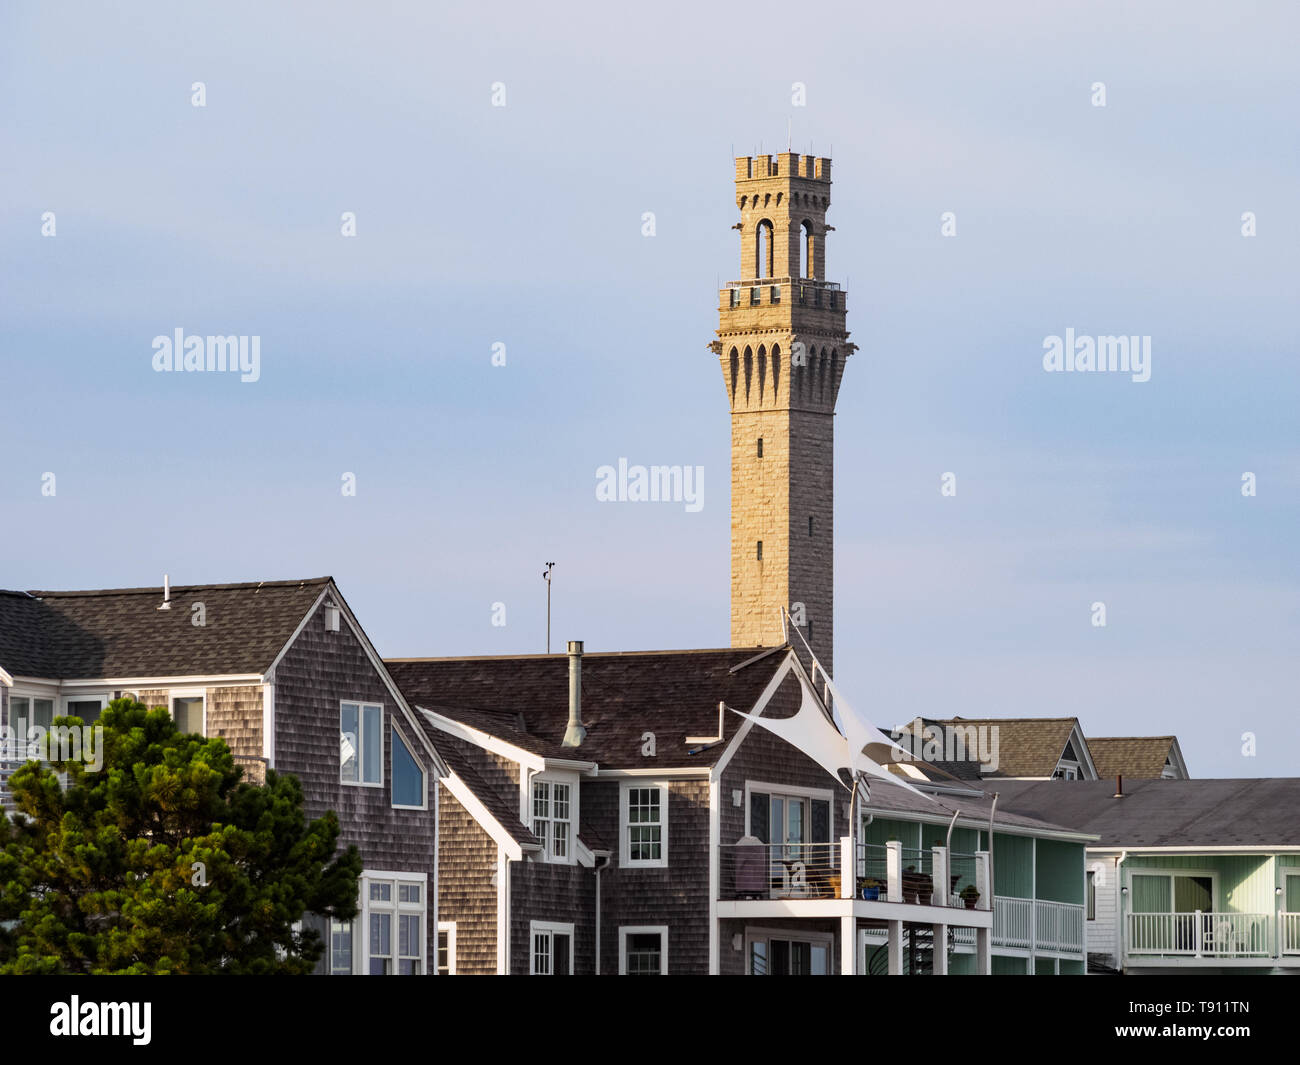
x=5, y=679
x=510, y=846
x=563, y=764
x=974, y=821
x=194, y=681
x=485, y=740
x=1132, y=852
x=693, y=772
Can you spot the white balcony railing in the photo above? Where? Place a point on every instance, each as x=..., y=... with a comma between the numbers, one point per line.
x=1201, y=934
x=1289, y=923
x=1029, y=924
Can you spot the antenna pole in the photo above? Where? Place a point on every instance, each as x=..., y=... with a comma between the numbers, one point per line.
x=546, y=576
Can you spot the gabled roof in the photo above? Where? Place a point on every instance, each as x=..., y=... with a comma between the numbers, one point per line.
x=1132, y=757
x=1259, y=812
x=1029, y=746
x=469, y=763
x=121, y=633
x=525, y=699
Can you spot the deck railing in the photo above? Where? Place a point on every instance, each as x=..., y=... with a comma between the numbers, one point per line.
x=1201, y=934
x=1289, y=925
x=1038, y=924
x=779, y=871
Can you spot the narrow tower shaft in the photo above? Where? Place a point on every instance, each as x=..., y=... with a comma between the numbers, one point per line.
x=782, y=345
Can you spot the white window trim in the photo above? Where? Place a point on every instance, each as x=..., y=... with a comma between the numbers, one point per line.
x=1069, y=770
x=361, y=937
x=361, y=728
x=1165, y=871
x=624, y=847
x=551, y=777
x=424, y=771
x=188, y=693
x=794, y=935
x=450, y=928
x=661, y=930
x=552, y=927
x=789, y=789
x=63, y=701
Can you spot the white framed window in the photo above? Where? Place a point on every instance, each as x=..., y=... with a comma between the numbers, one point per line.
x=26, y=712
x=643, y=950
x=1066, y=771
x=342, y=960
x=189, y=710
x=361, y=744
x=446, y=948
x=86, y=707
x=393, y=912
x=644, y=831
x=551, y=953
x=554, y=812
x=410, y=788
x=772, y=952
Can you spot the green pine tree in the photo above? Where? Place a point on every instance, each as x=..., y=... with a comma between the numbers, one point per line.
x=164, y=861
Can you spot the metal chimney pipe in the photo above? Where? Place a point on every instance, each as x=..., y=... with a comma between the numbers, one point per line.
x=166, y=604
x=1119, y=786
x=575, y=732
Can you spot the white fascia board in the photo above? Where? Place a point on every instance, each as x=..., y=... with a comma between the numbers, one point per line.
x=486, y=740
x=1138, y=852
x=5, y=679
x=220, y=680
x=475, y=808
x=1081, y=748
x=693, y=772
x=974, y=821
x=587, y=768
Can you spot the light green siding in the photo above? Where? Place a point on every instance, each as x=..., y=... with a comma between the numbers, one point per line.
x=1013, y=866
x=1243, y=883
x=1060, y=871
x=1004, y=966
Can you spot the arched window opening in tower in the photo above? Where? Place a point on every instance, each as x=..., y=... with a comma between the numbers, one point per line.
x=807, y=253
x=764, y=249
x=760, y=447
x=760, y=550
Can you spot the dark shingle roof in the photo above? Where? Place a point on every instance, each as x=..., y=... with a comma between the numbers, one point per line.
x=887, y=797
x=122, y=633
x=1132, y=757
x=673, y=694
x=1258, y=812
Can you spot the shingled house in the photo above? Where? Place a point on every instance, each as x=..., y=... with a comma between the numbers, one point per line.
x=284, y=673
x=672, y=836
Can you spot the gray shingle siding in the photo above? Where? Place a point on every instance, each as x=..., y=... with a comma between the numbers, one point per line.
x=318, y=672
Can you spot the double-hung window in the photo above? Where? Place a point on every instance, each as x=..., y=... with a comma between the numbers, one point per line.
x=643, y=950
x=552, y=949
x=361, y=744
x=395, y=914
x=645, y=825
x=553, y=818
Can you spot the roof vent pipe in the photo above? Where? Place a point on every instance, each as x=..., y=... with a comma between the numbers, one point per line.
x=575, y=732
x=1119, y=786
x=166, y=604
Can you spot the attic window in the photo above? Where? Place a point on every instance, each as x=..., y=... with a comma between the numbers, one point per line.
x=331, y=618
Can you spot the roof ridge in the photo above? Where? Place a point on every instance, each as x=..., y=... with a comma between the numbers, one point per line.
x=585, y=655
x=158, y=590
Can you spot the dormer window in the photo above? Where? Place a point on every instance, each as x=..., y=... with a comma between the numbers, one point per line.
x=553, y=816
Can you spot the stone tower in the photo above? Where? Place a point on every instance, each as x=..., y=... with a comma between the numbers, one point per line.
x=782, y=346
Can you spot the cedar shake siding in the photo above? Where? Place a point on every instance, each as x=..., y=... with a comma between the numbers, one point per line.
x=318, y=672
x=551, y=891
x=467, y=857
x=676, y=896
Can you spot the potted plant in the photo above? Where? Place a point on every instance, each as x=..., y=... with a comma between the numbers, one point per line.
x=970, y=895
x=869, y=888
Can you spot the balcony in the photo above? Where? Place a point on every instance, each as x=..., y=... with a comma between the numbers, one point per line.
x=888, y=875
x=1203, y=937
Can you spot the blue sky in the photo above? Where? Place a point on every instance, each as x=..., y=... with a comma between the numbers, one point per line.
x=522, y=225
